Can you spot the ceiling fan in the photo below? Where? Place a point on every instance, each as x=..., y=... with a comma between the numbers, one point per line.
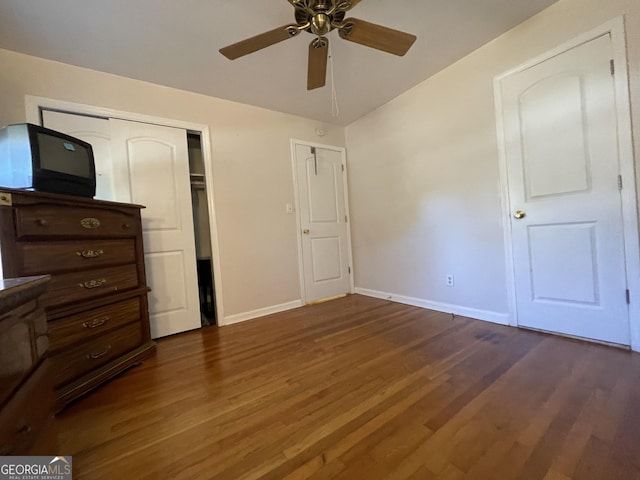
x=319, y=17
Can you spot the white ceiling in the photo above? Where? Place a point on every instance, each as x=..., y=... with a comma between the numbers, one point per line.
x=175, y=43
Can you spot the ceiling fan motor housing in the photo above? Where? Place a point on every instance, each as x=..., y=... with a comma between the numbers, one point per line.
x=321, y=17
x=320, y=24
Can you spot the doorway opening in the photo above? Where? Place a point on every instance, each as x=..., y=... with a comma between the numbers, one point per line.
x=202, y=231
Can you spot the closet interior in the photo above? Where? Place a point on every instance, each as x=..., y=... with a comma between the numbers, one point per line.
x=202, y=231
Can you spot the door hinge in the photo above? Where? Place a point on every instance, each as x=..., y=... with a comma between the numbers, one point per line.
x=349, y=269
x=620, y=182
x=342, y=167
x=612, y=66
x=628, y=296
x=346, y=219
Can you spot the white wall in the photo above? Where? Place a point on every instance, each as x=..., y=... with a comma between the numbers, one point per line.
x=251, y=153
x=424, y=183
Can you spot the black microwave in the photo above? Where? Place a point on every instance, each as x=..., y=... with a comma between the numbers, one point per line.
x=44, y=160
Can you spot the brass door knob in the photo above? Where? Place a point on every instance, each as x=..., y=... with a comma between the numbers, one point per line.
x=519, y=215
x=305, y=231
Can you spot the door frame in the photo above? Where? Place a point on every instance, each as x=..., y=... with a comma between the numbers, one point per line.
x=616, y=29
x=34, y=106
x=296, y=194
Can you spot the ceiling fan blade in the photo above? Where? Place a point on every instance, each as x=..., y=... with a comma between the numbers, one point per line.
x=318, y=55
x=376, y=36
x=259, y=42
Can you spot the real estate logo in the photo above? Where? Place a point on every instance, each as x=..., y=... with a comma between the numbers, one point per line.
x=36, y=468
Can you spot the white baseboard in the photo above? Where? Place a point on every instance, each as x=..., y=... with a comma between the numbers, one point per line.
x=486, y=315
x=261, y=312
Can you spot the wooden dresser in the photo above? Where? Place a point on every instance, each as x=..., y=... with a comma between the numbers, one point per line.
x=96, y=302
x=26, y=386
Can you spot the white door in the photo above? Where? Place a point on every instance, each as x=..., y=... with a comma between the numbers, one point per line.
x=94, y=131
x=562, y=160
x=323, y=221
x=148, y=164
x=155, y=160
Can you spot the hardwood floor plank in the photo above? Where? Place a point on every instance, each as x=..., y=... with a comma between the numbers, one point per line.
x=554, y=475
x=329, y=471
x=625, y=458
x=364, y=467
x=363, y=388
x=375, y=430
x=593, y=464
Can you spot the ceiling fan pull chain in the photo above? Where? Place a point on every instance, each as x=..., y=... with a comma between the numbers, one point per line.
x=335, y=107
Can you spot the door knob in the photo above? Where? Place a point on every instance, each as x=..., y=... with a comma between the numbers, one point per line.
x=305, y=231
x=519, y=215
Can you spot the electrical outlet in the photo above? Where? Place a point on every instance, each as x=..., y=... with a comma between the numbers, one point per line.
x=449, y=280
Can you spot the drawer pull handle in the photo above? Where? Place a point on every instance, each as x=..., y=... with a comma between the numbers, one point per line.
x=97, y=355
x=90, y=223
x=96, y=322
x=41, y=222
x=90, y=253
x=126, y=226
x=93, y=283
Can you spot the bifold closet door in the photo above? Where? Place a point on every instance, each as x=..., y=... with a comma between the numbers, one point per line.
x=156, y=160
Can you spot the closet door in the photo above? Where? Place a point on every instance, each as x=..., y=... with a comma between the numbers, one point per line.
x=95, y=131
x=149, y=165
x=156, y=161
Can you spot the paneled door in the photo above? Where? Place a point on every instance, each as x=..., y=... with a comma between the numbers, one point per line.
x=148, y=164
x=561, y=142
x=323, y=221
x=156, y=161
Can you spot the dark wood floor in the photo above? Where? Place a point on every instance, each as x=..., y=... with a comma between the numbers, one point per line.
x=361, y=388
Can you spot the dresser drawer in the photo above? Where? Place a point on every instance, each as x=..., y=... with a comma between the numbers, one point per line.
x=97, y=296
x=71, y=287
x=26, y=412
x=85, y=325
x=58, y=221
x=52, y=257
x=77, y=361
